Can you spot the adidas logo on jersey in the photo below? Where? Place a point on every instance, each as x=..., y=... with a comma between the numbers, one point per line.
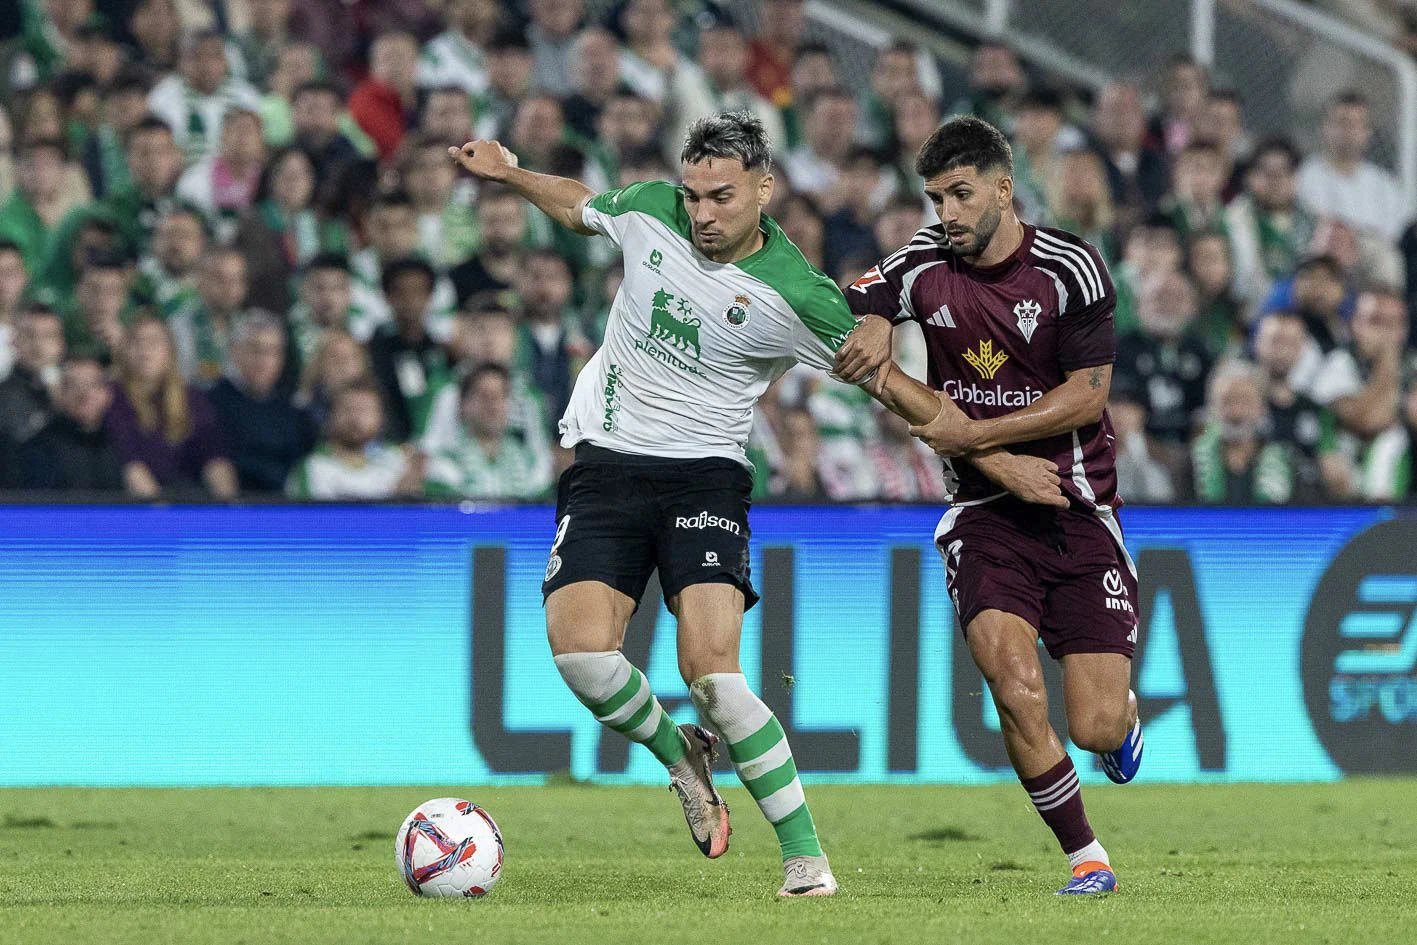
x=942, y=318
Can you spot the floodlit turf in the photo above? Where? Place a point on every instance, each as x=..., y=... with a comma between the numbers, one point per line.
x=1203, y=864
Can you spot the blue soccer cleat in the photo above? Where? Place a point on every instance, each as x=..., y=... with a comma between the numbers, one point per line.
x=1123, y=764
x=1089, y=878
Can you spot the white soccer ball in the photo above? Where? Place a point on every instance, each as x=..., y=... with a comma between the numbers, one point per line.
x=449, y=847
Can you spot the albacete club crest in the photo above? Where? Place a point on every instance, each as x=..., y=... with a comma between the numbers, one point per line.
x=737, y=314
x=1027, y=314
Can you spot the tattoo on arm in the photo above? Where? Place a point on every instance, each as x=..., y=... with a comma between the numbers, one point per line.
x=1094, y=378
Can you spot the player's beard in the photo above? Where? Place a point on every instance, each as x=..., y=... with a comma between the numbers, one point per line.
x=983, y=232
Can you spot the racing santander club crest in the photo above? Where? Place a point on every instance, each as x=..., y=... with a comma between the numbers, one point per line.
x=1027, y=314
x=737, y=314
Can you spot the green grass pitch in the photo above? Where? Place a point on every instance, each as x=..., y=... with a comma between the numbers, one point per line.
x=1198, y=864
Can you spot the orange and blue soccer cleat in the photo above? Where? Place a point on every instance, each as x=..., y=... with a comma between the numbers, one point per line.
x=1090, y=877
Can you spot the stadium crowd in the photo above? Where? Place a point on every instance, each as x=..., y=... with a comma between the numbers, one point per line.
x=235, y=258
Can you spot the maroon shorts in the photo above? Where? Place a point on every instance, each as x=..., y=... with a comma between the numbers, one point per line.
x=1062, y=571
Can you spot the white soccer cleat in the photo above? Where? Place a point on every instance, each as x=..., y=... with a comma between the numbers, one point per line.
x=807, y=876
x=692, y=779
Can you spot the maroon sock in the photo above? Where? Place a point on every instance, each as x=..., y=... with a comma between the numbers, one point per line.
x=1058, y=797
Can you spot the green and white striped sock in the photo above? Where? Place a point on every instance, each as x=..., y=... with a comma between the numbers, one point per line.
x=619, y=697
x=758, y=748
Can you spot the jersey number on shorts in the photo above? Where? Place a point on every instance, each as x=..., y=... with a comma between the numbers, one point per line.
x=553, y=562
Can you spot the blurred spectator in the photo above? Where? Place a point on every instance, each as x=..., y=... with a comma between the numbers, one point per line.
x=73, y=450
x=154, y=163
x=916, y=118
x=1141, y=475
x=486, y=460
x=652, y=66
x=996, y=82
x=156, y=31
x=723, y=53
x=167, y=276
x=1078, y=197
x=328, y=302
x=13, y=280
x=353, y=462
x=800, y=478
x=594, y=67
x=296, y=65
x=447, y=223
x=267, y=30
x=1136, y=171
x=771, y=53
x=343, y=31
x=95, y=322
x=164, y=431
x=508, y=82
x=7, y=152
x=552, y=348
x=801, y=220
x=1219, y=325
x=552, y=33
x=898, y=222
x=812, y=71
x=384, y=103
x=1340, y=183
x=125, y=102
x=1318, y=295
x=538, y=127
x=848, y=230
x=201, y=329
x=1289, y=359
x=1362, y=382
x=502, y=228
x=457, y=56
x=223, y=185
x=447, y=116
x=900, y=467
x=390, y=234
x=282, y=232
x=31, y=216
x=627, y=125
x=1221, y=124
x=408, y=363
x=815, y=166
x=1194, y=203
x=1267, y=226
x=1162, y=361
x=1153, y=248
x=1233, y=462
x=266, y=433
x=1041, y=141
x=339, y=360
x=315, y=116
x=193, y=102
x=487, y=334
x=894, y=75
x=1184, y=88
x=27, y=395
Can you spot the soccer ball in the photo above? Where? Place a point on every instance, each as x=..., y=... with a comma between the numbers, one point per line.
x=449, y=847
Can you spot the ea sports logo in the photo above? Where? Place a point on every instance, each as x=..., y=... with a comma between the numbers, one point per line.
x=1359, y=654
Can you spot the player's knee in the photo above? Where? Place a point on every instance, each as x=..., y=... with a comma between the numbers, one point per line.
x=1098, y=730
x=705, y=659
x=1022, y=699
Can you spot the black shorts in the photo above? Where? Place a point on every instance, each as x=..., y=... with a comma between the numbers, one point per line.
x=620, y=516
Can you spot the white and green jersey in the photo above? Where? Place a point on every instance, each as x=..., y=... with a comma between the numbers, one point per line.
x=326, y=475
x=691, y=344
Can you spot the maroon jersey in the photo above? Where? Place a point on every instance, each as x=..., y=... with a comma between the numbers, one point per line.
x=1000, y=337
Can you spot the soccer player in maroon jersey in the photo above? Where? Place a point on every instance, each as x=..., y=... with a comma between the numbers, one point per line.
x=1018, y=325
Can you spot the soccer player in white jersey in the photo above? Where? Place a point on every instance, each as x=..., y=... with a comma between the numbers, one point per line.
x=717, y=303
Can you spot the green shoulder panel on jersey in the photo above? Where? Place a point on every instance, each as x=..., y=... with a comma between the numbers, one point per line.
x=657, y=198
x=813, y=296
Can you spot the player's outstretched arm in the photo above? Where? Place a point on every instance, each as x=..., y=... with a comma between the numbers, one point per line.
x=1076, y=403
x=1030, y=478
x=560, y=198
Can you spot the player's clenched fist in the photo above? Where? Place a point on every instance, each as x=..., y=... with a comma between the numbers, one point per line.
x=488, y=160
x=1032, y=479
